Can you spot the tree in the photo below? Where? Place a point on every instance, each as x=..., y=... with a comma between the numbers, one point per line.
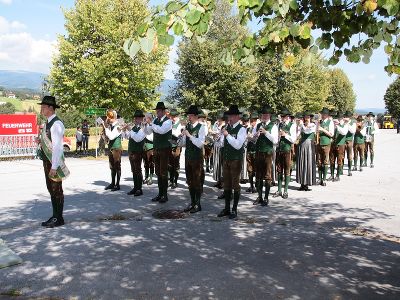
x=91, y=70
x=341, y=96
x=287, y=27
x=392, y=98
x=7, y=108
x=202, y=79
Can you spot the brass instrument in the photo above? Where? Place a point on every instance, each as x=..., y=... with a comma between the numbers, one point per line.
x=317, y=135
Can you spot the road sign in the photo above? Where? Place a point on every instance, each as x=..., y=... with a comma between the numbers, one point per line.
x=95, y=111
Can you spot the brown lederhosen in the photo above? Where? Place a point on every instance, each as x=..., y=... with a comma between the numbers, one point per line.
x=148, y=158
x=193, y=170
x=251, y=163
x=323, y=155
x=114, y=159
x=135, y=158
x=359, y=149
x=337, y=154
x=283, y=162
x=231, y=171
x=55, y=188
x=174, y=159
x=161, y=158
x=349, y=150
x=369, y=146
x=263, y=166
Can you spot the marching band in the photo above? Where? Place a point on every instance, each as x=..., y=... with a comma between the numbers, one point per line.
x=258, y=148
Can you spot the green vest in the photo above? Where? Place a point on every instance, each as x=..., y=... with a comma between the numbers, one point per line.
x=193, y=152
x=231, y=153
x=161, y=141
x=349, y=135
x=359, y=138
x=324, y=139
x=49, y=125
x=307, y=136
x=148, y=145
x=115, y=143
x=339, y=139
x=134, y=146
x=251, y=147
x=370, y=128
x=263, y=144
x=284, y=144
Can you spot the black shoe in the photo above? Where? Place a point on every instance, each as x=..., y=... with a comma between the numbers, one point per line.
x=354, y=169
x=47, y=222
x=330, y=178
x=207, y=170
x=109, y=187
x=301, y=188
x=350, y=174
x=285, y=195
x=258, y=201
x=251, y=190
x=138, y=193
x=273, y=183
x=150, y=181
x=322, y=183
x=233, y=215
x=170, y=184
x=337, y=178
x=163, y=199
x=188, y=208
x=361, y=169
x=195, y=209
x=372, y=165
x=131, y=192
x=55, y=222
x=306, y=189
x=224, y=213
x=265, y=202
x=277, y=194
x=173, y=186
x=222, y=196
x=156, y=198
x=116, y=188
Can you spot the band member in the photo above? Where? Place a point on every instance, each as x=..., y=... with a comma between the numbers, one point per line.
x=305, y=156
x=202, y=116
x=51, y=152
x=193, y=137
x=244, y=176
x=325, y=132
x=135, y=152
x=208, y=145
x=113, y=132
x=341, y=130
x=234, y=138
x=265, y=134
x=351, y=124
x=251, y=152
x=85, y=136
x=287, y=137
x=161, y=127
x=359, y=142
x=174, y=165
x=217, y=128
x=333, y=118
x=371, y=129
x=148, y=159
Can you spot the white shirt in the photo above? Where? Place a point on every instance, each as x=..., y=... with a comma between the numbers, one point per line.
x=292, y=135
x=113, y=134
x=310, y=128
x=273, y=136
x=137, y=136
x=178, y=130
x=197, y=141
x=78, y=136
x=352, y=128
x=163, y=129
x=331, y=126
x=342, y=130
x=238, y=142
x=57, y=140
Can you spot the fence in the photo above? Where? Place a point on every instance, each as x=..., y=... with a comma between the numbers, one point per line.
x=18, y=145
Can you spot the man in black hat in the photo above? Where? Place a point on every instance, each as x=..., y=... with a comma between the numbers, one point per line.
x=338, y=146
x=52, y=159
x=161, y=127
x=266, y=135
x=234, y=138
x=372, y=128
x=359, y=142
x=351, y=124
x=251, y=151
x=135, y=152
x=175, y=156
x=325, y=132
x=194, y=136
x=287, y=137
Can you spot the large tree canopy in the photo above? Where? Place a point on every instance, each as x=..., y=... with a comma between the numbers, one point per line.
x=392, y=98
x=91, y=69
x=353, y=28
x=341, y=95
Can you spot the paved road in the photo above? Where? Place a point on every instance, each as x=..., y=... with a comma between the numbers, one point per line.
x=305, y=247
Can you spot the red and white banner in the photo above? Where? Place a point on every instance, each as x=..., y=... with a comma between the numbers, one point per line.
x=18, y=124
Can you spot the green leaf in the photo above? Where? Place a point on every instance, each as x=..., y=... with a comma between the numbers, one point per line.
x=177, y=28
x=388, y=49
x=142, y=29
x=295, y=30
x=202, y=28
x=147, y=42
x=134, y=49
x=333, y=61
x=249, y=42
x=293, y=5
x=193, y=17
x=264, y=41
x=366, y=59
x=391, y=6
x=173, y=6
x=166, y=39
x=204, y=2
x=161, y=28
x=284, y=33
x=239, y=53
x=305, y=32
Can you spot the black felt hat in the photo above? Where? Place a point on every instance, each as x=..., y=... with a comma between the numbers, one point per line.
x=325, y=111
x=160, y=105
x=266, y=109
x=233, y=110
x=193, y=110
x=138, y=113
x=50, y=101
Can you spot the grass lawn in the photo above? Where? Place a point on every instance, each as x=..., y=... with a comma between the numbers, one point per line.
x=22, y=105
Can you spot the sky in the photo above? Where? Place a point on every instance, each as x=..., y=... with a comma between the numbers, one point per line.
x=28, y=40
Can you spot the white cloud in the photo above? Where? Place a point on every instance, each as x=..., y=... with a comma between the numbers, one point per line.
x=6, y=1
x=20, y=51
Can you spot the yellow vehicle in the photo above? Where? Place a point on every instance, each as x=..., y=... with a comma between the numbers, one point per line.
x=387, y=122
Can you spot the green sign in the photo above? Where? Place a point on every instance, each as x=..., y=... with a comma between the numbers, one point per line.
x=95, y=111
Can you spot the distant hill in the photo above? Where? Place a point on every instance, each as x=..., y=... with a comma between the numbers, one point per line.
x=363, y=111
x=21, y=80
